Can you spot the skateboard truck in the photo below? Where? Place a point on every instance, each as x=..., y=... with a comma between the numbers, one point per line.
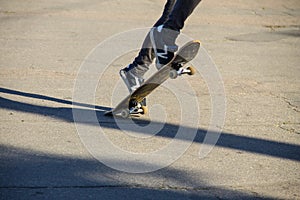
x=175, y=73
x=135, y=108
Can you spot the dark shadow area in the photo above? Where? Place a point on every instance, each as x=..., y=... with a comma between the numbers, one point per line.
x=28, y=174
x=227, y=140
x=53, y=99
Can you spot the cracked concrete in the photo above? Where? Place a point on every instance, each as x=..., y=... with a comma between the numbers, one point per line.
x=255, y=45
x=291, y=105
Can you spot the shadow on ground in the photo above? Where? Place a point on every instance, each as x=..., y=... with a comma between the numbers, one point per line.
x=227, y=140
x=27, y=174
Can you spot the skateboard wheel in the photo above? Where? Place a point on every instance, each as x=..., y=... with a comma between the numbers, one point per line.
x=192, y=70
x=125, y=113
x=173, y=74
x=145, y=110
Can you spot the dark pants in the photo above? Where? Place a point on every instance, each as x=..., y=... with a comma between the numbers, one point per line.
x=174, y=15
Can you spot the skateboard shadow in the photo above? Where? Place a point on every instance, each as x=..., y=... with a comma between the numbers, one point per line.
x=226, y=140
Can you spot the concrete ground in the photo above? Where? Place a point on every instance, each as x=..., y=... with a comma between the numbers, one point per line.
x=255, y=46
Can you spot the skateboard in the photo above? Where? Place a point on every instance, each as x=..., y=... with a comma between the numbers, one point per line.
x=173, y=69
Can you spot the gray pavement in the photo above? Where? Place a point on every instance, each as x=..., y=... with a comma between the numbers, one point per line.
x=254, y=44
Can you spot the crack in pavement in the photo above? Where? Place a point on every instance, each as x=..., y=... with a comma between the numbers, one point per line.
x=294, y=107
x=289, y=129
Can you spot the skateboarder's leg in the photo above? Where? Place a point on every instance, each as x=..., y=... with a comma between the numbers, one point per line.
x=141, y=63
x=166, y=12
x=134, y=72
x=181, y=11
x=163, y=37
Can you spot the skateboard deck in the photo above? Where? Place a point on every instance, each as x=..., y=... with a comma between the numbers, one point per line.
x=171, y=70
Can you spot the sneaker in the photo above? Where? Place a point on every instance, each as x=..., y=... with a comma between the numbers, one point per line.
x=132, y=81
x=163, y=43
